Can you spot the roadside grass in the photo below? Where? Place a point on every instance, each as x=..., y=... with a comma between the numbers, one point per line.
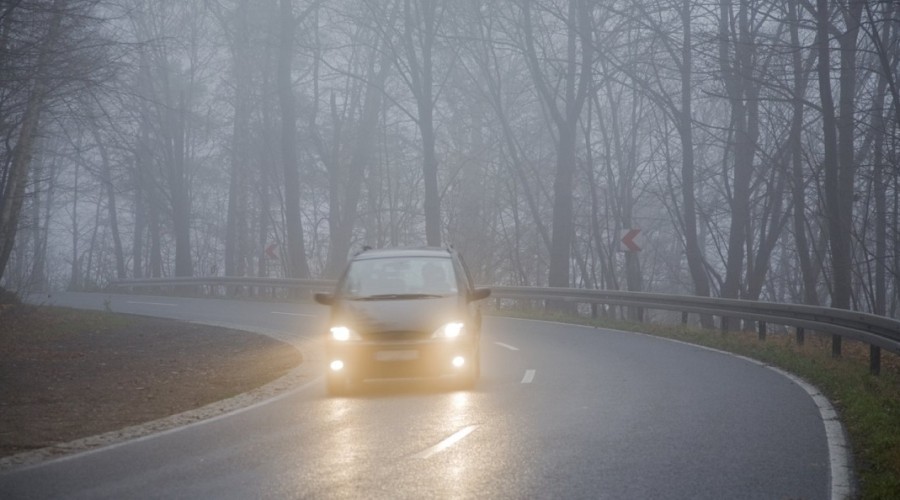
x=59, y=322
x=869, y=405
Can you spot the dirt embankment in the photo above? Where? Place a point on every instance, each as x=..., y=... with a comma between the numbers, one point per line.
x=67, y=374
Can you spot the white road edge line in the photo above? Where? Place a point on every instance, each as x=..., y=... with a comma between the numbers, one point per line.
x=151, y=434
x=838, y=450
x=151, y=303
x=294, y=314
x=511, y=348
x=172, y=430
x=529, y=376
x=443, y=445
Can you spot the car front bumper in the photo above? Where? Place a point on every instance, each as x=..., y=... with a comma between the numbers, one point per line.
x=433, y=358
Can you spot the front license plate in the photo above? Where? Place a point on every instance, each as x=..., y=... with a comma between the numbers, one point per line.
x=407, y=355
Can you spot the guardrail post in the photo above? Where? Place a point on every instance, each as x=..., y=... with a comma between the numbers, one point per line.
x=636, y=314
x=835, y=346
x=874, y=360
x=684, y=318
x=761, y=328
x=801, y=335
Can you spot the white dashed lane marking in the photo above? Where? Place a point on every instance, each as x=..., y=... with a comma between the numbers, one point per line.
x=529, y=376
x=511, y=348
x=447, y=443
x=294, y=314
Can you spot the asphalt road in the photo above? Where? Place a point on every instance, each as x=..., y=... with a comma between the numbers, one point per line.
x=560, y=412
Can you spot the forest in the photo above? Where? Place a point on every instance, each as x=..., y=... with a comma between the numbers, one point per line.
x=754, y=144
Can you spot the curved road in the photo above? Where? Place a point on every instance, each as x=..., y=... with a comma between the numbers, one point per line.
x=561, y=412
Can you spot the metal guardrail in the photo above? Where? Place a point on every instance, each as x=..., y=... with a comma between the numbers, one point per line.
x=226, y=281
x=877, y=331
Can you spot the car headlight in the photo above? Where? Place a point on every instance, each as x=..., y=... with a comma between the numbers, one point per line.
x=343, y=334
x=451, y=330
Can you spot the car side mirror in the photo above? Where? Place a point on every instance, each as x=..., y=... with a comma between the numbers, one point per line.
x=479, y=294
x=326, y=299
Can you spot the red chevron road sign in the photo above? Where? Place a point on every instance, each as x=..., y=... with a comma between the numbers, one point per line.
x=628, y=243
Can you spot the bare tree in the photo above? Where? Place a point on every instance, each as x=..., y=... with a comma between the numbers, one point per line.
x=663, y=23
x=838, y=161
x=236, y=25
x=106, y=178
x=38, y=56
x=885, y=83
x=297, y=265
x=497, y=73
x=798, y=180
x=354, y=128
x=563, y=99
x=421, y=21
x=737, y=56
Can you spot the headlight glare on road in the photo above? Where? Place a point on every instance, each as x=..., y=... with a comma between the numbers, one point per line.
x=459, y=361
x=451, y=330
x=337, y=365
x=342, y=333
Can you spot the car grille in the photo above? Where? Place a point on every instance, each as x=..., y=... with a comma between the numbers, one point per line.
x=397, y=336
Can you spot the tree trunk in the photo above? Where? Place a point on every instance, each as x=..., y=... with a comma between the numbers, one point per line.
x=422, y=18
x=295, y=256
x=112, y=213
x=684, y=117
x=237, y=230
x=178, y=189
x=576, y=86
x=75, y=269
x=693, y=251
x=879, y=187
x=362, y=157
x=838, y=159
x=48, y=170
x=737, y=75
x=841, y=248
x=830, y=160
x=155, y=230
x=798, y=185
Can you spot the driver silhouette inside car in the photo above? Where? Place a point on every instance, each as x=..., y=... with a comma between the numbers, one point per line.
x=434, y=279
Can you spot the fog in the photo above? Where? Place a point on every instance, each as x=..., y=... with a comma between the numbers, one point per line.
x=752, y=146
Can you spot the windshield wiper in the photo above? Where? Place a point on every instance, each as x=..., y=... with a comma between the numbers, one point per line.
x=398, y=296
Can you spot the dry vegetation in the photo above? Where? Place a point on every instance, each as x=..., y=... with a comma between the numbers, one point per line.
x=69, y=374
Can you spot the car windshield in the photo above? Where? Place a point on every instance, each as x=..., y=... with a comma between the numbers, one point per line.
x=399, y=277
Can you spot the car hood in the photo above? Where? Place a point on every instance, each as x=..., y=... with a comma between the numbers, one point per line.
x=398, y=315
